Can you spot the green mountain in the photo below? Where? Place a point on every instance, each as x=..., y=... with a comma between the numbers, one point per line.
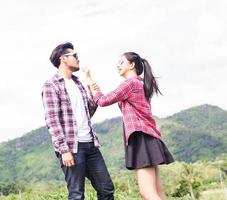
x=198, y=133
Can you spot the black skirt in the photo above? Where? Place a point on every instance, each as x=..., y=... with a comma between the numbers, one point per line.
x=144, y=150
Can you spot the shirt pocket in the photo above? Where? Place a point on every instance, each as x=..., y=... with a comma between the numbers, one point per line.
x=64, y=98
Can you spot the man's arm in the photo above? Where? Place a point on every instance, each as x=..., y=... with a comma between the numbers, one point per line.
x=52, y=109
x=92, y=106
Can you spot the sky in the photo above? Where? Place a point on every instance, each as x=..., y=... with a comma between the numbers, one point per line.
x=184, y=41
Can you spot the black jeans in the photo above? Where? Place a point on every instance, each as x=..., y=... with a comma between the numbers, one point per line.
x=88, y=163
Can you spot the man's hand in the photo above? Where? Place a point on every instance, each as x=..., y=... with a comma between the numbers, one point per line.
x=67, y=159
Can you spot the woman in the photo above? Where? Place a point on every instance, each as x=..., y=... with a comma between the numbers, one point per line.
x=144, y=148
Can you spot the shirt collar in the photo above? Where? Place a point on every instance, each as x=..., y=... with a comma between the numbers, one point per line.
x=139, y=78
x=136, y=77
x=60, y=78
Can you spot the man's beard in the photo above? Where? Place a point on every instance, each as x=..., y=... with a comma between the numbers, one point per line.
x=74, y=69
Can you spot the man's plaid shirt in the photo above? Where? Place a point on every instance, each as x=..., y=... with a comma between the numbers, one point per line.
x=59, y=114
x=136, y=110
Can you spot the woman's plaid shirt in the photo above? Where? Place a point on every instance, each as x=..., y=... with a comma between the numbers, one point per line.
x=59, y=115
x=136, y=110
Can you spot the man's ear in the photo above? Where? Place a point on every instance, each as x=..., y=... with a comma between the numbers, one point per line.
x=62, y=59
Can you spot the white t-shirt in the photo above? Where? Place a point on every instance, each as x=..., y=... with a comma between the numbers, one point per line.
x=78, y=111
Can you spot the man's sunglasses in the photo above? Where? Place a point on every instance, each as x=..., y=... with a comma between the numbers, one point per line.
x=75, y=55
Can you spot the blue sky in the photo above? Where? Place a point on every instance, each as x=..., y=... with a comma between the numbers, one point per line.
x=185, y=41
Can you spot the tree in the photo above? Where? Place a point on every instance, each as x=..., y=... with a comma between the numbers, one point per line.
x=190, y=183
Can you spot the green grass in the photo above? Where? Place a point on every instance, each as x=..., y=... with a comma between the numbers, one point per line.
x=214, y=194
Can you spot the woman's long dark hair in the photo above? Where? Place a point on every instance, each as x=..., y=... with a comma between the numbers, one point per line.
x=150, y=84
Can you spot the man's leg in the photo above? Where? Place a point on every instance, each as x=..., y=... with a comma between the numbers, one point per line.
x=98, y=174
x=75, y=176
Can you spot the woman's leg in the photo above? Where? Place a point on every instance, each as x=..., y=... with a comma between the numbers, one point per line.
x=159, y=187
x=146, y=178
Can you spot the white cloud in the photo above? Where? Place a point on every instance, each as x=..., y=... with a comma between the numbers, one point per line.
x=185, y=41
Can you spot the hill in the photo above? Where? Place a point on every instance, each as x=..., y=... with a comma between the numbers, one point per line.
x=198, y=133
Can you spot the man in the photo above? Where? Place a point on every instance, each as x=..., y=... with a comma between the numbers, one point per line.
x=67, y=112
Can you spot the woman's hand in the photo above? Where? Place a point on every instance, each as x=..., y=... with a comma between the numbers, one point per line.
x=87, y=75
x=94, y=87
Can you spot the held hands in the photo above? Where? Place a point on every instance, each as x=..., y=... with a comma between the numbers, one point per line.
x=67, y=159
x=93, y=87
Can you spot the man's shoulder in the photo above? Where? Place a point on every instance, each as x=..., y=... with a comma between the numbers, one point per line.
x=53, y=81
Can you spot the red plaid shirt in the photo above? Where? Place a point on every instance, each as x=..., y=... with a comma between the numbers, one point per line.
x=59, y=115
x=136, y=110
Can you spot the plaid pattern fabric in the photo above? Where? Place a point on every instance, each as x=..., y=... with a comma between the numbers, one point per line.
x=136, y=110
x=59, y=114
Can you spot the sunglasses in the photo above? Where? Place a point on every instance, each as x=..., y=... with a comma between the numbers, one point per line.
x=119, y=63
x=75, y=55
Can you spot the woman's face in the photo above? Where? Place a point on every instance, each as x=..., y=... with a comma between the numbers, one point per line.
x=123, y=66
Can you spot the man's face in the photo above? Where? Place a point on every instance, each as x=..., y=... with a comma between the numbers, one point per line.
x=71, y=60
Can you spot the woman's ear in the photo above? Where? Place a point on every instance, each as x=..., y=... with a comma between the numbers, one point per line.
x=132, y=66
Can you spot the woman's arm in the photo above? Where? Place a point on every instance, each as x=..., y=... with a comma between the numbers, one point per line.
x=121, y=93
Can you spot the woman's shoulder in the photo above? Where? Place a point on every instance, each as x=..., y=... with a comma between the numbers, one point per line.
x=134, y=80
x=133, y=83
